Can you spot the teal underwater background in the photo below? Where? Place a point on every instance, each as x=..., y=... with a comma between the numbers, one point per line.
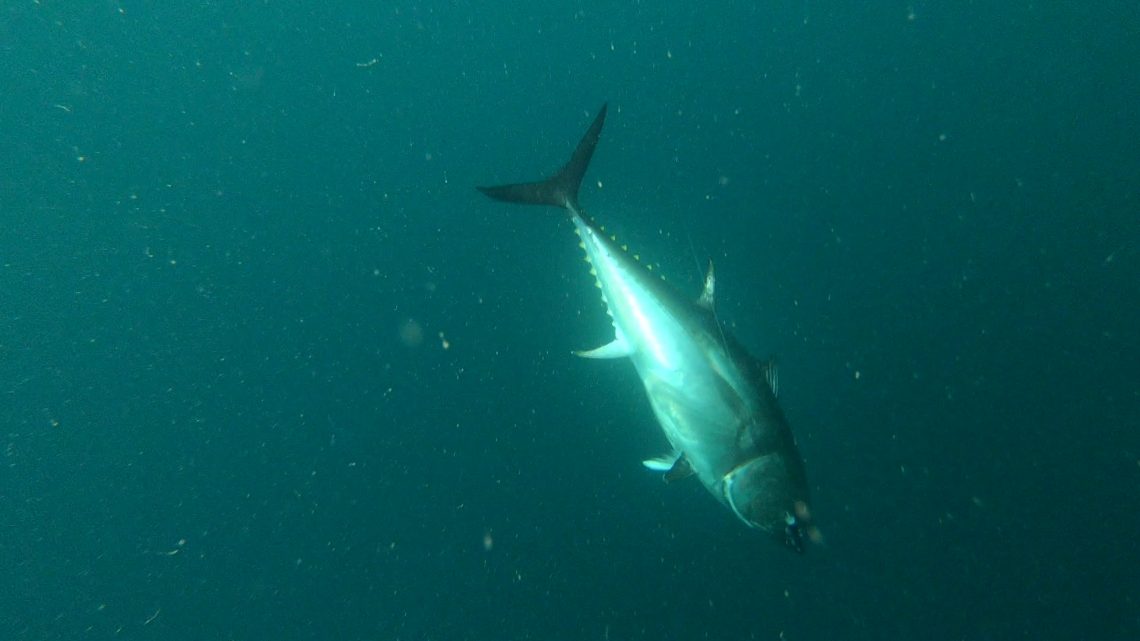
x=270, y=368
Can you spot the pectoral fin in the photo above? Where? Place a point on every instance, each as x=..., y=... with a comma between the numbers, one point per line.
x=675, y=467
x=618, y=348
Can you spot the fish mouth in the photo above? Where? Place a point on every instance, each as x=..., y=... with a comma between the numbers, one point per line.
x=793, y=534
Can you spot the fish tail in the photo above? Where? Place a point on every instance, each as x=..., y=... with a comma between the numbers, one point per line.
x=561, y=189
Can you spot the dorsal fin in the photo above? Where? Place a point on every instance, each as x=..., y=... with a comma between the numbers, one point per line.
x=771, y=375
x=708, y=294
x=561, y=189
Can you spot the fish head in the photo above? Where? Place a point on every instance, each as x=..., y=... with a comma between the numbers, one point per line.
x=767, y=494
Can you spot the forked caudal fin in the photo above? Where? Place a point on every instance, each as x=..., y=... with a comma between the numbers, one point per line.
x=561, y=189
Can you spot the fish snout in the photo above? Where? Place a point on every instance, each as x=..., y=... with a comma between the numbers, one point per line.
x=798, y=526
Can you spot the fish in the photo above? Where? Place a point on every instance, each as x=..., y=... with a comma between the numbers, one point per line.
x=715, y=403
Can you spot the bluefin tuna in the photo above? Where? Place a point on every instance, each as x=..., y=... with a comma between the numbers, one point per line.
x=715, y=403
